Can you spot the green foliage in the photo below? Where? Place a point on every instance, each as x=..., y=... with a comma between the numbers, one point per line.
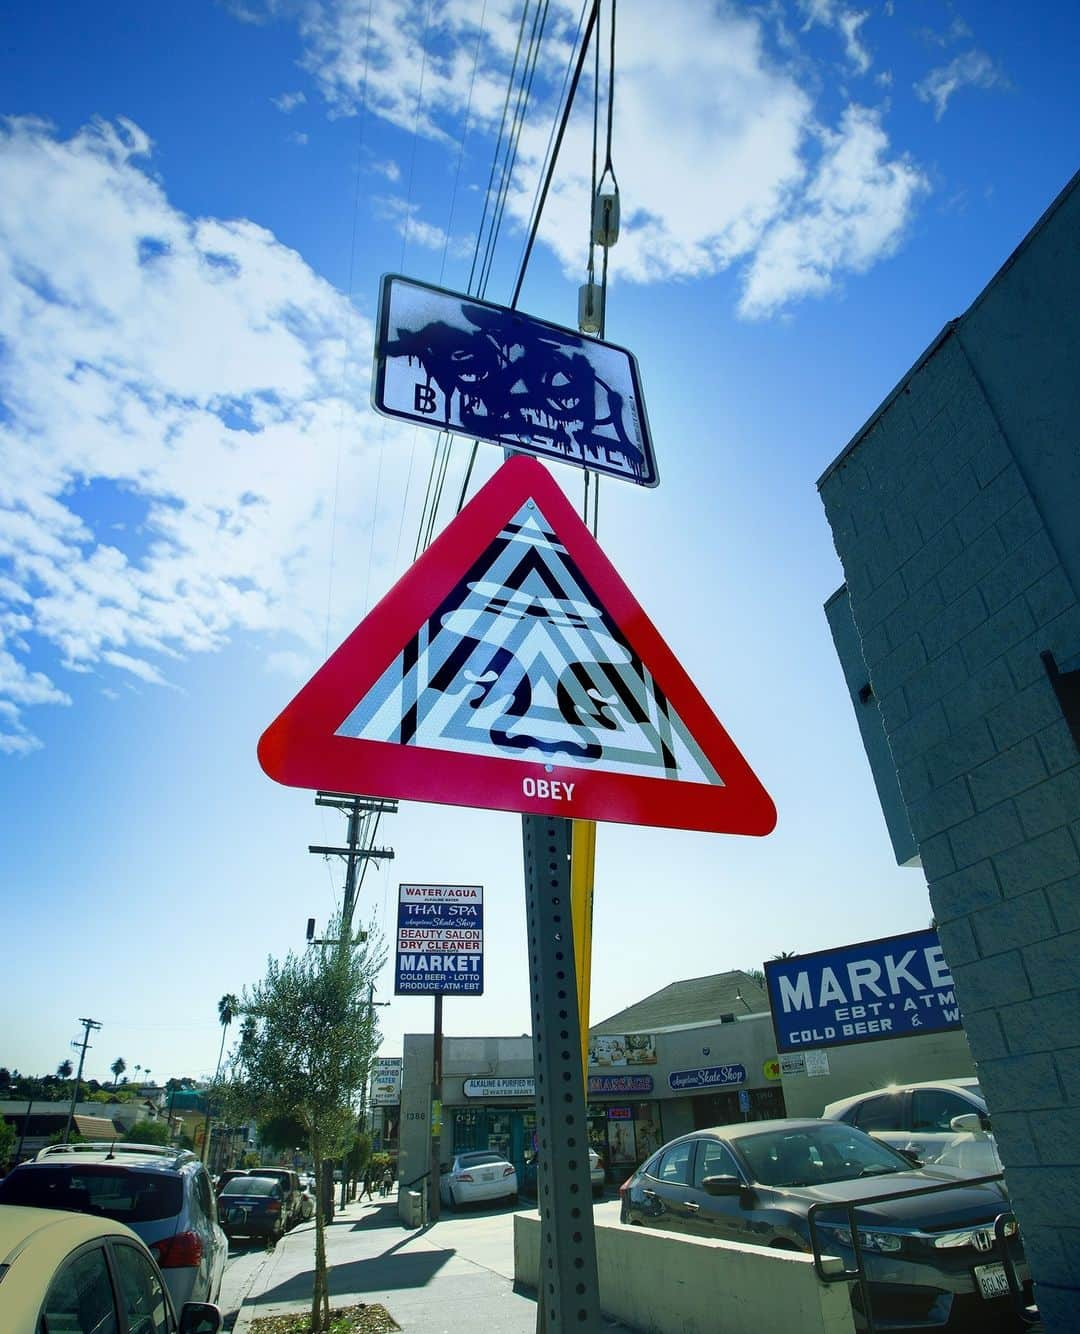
x=7, y=1141
x=148, y=1132
x=379, y=1163
x=305, y=1056
x=359, y=1155
x=250, y=1160
x=74, y=1138
x=283, y=1133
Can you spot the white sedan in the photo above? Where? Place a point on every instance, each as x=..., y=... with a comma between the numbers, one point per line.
x=479, y=1175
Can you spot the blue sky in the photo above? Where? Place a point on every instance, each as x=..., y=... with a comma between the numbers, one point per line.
x=197, y=502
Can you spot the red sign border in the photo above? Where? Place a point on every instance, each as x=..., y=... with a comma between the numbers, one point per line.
x=300, y=748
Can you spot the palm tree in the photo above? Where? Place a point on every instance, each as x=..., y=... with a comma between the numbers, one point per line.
x=226, y=1008
x=137, y=1069
x=65, y=1069
x=118, y=1067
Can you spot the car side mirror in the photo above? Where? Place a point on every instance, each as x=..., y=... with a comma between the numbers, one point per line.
x=199, y=1318
x=968, y=1123
x=912, y=1155
x=722, y=1185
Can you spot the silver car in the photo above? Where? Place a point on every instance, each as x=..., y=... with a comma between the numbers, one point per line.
x=163, y=1195
x=926, y=1120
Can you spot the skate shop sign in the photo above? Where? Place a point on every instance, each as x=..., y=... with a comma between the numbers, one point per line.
x=706, y=1077
x=897, y=987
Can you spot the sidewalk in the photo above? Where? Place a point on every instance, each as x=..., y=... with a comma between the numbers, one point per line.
x=448, y=1278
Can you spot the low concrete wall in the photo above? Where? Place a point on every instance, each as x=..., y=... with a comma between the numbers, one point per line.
x=666, y=1284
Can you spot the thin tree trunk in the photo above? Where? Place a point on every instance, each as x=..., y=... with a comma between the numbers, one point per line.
x=320, y=1295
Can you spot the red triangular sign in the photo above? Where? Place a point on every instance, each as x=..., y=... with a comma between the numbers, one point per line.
x=511, y=668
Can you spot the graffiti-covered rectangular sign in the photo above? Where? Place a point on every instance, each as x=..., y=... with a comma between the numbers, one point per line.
x=892, y=988
x=455, y=363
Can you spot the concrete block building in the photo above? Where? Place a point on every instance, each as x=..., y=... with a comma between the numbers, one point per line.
x=956, y=515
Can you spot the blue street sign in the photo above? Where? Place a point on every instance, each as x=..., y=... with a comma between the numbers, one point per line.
x=458, y=364
x=744, y=1100
x=440, y=940
x=897, y=987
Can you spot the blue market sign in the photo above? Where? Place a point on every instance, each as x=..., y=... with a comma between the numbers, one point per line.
x=706, y=1077
x=897, y=987
x=440, y=941
x=452, y=362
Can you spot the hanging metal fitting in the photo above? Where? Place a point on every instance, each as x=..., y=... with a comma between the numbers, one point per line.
x=590, y=306
x=605, y=219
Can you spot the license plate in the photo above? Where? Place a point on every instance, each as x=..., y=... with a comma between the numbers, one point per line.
x=488, y=1174
x=237, y=1215
x=991, y=1280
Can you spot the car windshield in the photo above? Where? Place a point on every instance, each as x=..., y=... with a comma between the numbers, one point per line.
x=252, y=1186
x=126, y=1194
x=816, y=1154
x=476, y=1159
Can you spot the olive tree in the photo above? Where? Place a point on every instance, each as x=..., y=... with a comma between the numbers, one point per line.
x=308, y=1040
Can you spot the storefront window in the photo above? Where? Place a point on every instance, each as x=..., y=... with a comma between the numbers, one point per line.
x=499, y=1132
x=647, y=1133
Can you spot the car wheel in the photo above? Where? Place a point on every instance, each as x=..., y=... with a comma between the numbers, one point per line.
x=513, y=1200
x=452, y=1199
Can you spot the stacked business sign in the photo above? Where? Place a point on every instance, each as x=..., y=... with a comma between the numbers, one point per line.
x=440, y=940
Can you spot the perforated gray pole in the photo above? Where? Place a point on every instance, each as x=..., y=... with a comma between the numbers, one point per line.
x=568, y=1292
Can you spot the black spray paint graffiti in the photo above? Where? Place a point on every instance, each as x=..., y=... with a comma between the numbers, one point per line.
x=520, y=382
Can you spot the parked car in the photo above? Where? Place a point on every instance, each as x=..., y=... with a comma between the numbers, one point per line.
x=230, y=1174
x=290, y=1187
x=253, y=1206
x=70, y=1271
x=163, y=1195
x=928, y=1259
x=477, y=1176
x=596, y=1173
x=920, y=1120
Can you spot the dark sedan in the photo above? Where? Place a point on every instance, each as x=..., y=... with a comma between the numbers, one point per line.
x=252, y=1206
x=928, y=1259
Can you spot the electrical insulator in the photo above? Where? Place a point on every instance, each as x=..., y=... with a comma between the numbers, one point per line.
x=605, y=221
x=589, y=308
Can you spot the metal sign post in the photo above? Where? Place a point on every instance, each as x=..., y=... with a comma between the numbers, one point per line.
x=568, y=1289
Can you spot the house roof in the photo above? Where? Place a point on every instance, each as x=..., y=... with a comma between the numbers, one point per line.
x=96, y=1127
x=695, y=1000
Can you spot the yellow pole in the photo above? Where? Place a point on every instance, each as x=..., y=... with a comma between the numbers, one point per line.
x=582, y=867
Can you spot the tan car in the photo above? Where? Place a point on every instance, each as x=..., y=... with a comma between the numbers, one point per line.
x=69, y=1271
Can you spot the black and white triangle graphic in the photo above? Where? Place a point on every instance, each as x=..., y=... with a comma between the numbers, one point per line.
x=520, y=661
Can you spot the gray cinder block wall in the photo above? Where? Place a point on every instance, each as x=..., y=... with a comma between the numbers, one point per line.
x=956, y=516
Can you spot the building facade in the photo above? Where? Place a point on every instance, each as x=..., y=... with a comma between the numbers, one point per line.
x=955, y=515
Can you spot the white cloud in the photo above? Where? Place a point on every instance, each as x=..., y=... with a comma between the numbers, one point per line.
x=973, y=69
x=715, y=139
x=197, y=366
x=389, y=169
x=853, y=212
x=407, y=223
x=297, y=137
x=847, y=22
x=289, y=101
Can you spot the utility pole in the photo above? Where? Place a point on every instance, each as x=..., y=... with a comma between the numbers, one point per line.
x=354, y=854
x=372, y=808
x=88, y=1026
